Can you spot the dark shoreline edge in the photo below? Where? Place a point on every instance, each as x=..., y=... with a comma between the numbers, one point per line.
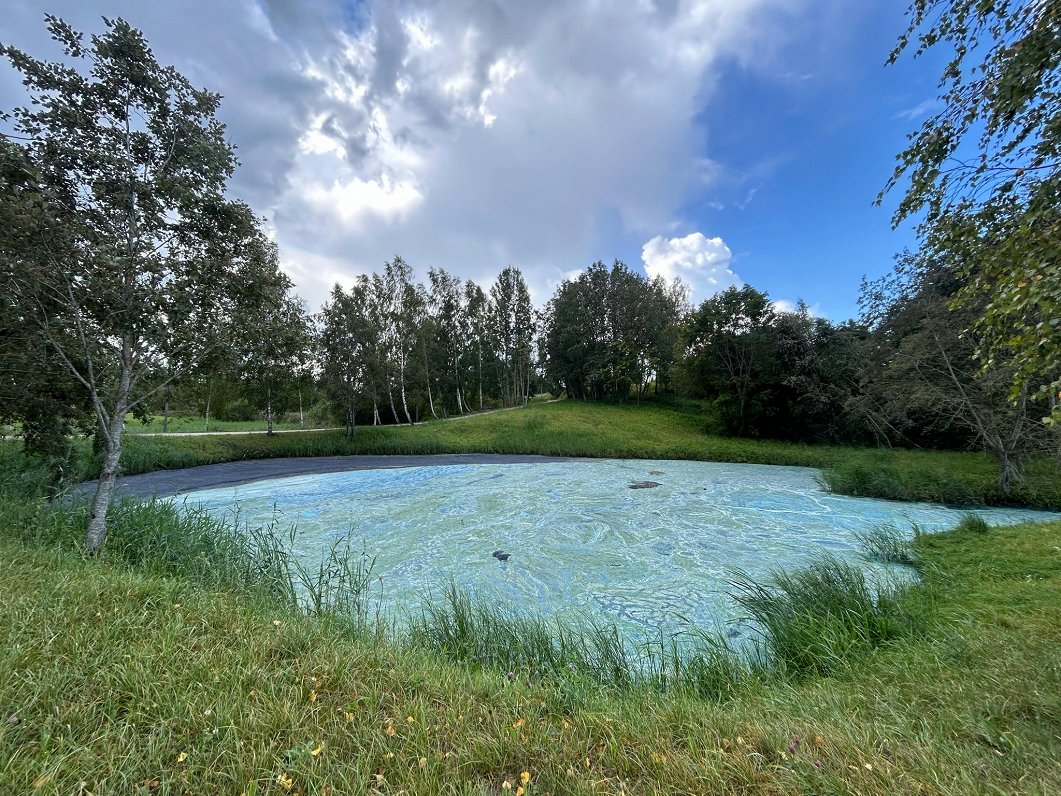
x=172, y=483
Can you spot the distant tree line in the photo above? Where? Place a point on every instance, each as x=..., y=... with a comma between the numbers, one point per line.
x=393, y=350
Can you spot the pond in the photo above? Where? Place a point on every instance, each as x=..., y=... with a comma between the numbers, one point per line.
x=647, y=545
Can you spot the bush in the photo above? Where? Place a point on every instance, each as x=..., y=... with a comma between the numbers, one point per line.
x=237, y=411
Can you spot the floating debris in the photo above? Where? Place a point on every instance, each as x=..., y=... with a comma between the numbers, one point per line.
x=644, y=484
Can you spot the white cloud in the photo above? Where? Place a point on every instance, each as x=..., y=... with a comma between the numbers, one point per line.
x=919, y=110
x=787, y=305
x=456, y=133
x=700, y=262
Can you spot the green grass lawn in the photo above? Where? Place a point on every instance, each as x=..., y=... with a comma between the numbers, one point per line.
x=185, y=425
x=572, y=428
x=164, y=666
x=122, y=681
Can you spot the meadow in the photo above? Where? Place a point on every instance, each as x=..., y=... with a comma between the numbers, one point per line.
x=193, y=657
x=178, y=662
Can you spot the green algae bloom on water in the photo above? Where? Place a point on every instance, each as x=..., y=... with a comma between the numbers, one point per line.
x=582, y=545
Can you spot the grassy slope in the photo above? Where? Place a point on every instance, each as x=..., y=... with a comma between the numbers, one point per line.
x=122, y=678
x=571, y=428
x=181, y=424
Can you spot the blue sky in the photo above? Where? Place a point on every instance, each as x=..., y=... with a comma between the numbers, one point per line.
x=803, y=155
x=718, y=141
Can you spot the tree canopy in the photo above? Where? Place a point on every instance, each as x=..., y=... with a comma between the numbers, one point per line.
x=130, y=269
x=984, y=173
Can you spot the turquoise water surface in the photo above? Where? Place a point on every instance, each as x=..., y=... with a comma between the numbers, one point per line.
x=583, y=545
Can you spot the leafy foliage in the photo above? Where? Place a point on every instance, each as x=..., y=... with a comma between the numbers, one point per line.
x=130, y=270
x=985, y=173
x=611, y=331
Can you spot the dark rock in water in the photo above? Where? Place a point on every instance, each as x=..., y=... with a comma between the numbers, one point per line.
x=502, y=556
x=655, y=472
x=644, y=484
x=496, y=553
x=733, y=633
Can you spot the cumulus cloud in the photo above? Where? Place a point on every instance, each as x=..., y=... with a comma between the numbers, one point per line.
x=459, y=134
x=700, y=262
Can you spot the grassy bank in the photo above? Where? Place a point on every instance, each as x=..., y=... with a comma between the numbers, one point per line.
x=181, y=424
x=160, y=668
x=570, y=428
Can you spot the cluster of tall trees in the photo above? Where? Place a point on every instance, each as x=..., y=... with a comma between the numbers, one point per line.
x=786, y=375
x=394, y=350
x=611, y=331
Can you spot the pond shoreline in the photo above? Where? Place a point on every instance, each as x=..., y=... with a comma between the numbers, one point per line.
x=169, y=483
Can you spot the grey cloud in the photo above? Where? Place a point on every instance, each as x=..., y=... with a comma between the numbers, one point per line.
x=457, y=167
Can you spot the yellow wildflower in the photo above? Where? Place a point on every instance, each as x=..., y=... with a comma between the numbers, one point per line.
x=182, y=757
x=317, y=752
x=524, y=778
x=312, y=696
x=284, y=781
x=391, y=731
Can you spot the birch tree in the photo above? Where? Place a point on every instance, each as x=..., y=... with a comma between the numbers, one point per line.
x=513, y=333
x=984, y=175
x=131, y=157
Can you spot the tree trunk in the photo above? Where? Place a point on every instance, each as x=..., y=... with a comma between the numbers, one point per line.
x=165, y=416
x=375, y=412
x=390, y=395
x=97, y=521
x=1009, y=472
x=301, y=416
x=96, y=532
x=401, y=385
x=208, y=410
x=351, y=419
x=269, y=412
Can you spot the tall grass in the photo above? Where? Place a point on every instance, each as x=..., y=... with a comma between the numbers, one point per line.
x=890, y=545
x=972, y=523
x=474, y=631
x=818, y=620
